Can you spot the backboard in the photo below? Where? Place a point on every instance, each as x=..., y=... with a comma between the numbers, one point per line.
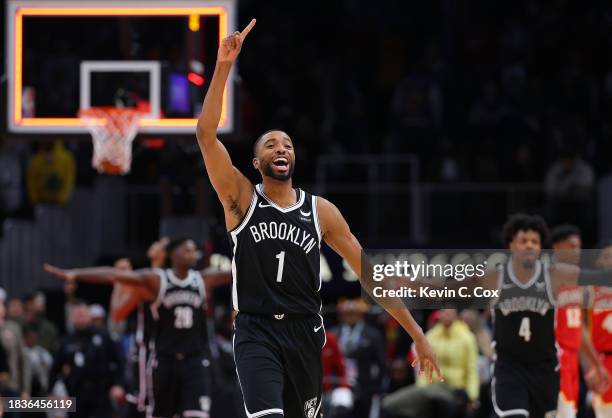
x=66, y=55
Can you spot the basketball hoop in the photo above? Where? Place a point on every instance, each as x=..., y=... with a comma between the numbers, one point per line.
x=112, y=129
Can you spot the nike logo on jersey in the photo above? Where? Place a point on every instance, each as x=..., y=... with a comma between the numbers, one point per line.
x=316, y=329
x=261, y=205
x=305, y=214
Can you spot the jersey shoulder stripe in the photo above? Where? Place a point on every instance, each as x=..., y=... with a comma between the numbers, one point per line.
x=315, y=215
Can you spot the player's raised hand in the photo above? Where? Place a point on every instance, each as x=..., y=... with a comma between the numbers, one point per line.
x=58, y=272
x=426, y=360
x=230, y=46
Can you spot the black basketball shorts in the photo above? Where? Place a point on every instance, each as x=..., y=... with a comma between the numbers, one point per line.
x=520, y=390
x=278, y=362
x=181, y=385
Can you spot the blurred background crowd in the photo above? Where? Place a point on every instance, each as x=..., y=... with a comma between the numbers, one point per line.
x=71, y=344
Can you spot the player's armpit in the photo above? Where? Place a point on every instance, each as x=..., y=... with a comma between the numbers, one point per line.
x=234, y=190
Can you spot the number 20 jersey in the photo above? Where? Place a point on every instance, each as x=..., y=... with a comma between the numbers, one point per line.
x=276, y=251
x=524, y=316
x=178, y=314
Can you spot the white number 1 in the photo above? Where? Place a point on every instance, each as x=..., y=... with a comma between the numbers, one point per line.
x=281, y=264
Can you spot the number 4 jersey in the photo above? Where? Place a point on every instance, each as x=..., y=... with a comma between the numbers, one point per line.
x=275, y=267
x=178, y=311
x=524, y=316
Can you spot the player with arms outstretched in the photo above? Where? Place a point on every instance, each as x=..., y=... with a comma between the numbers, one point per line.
x=276, y=232
x=181, y=376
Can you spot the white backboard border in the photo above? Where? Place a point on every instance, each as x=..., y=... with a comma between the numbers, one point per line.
x=17, y=9
x=153, y=68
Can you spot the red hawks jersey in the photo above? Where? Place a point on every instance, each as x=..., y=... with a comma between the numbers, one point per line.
x=568, y=320
x=601, y=319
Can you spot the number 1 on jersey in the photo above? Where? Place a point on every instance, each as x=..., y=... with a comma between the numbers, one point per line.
x=525, y=329
x=281, y=264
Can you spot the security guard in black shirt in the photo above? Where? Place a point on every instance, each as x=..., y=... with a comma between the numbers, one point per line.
x=89, y=363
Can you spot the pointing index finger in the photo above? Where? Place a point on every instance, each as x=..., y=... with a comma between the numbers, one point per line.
x=246, y=30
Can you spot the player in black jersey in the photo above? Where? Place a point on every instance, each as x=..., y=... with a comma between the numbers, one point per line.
x=276, y=232
x=525, y=375
x=181, y=381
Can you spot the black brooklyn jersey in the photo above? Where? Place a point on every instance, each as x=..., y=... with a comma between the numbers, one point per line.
x=524, y=316
x=178, y=311
x=276, y=260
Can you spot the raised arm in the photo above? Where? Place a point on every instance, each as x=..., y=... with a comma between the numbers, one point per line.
x=146, y=278
x=338, y=236
x=232, y=187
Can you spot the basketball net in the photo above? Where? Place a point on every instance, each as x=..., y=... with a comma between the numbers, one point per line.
x=113, y=130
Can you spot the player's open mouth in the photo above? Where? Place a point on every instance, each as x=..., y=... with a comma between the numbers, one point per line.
x=281, y=164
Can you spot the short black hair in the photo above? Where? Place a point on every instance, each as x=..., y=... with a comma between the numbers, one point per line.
x=562, y=232
x=30, y=296
x=175, y=243
x=524, y=222
x=264, y=134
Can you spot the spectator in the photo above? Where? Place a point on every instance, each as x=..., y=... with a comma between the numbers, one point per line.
x=400, y=375
x=34, y=314
x=51, y=174
x=12, y=341
x=14, y=310
x=483, y=336
x=226, y=389
x=484, y=340
x=337, y=396
x=90, y=365
x=4, y=375
x=364, y=350
x=397, y=340
x=457, y=354
x=70, y=288
x=98, y=316
x=40, y=365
